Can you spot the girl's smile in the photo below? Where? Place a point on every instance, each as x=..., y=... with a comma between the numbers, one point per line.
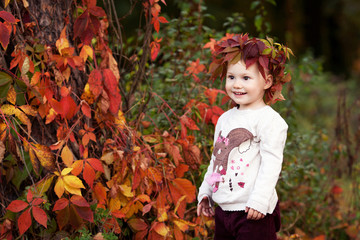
x=246, y=86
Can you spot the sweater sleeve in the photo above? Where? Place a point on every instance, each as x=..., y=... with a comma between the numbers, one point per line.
x=272, y=135
x=206, y=189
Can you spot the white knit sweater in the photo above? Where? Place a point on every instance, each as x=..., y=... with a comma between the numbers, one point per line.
x=246, y=161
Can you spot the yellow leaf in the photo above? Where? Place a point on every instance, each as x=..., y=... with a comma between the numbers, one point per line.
x=67, y=156
x=59, y=187
x=11, y=95
x=162, y=215
x=51, y=116
x=45, y=156
x=28, y=110
x=86, y=52
x=43, y=185
x=62, y=42
x=26, y=4
x=66, y=171
x=87, y=95
x=72, y=190
x=126, y=190
x=114, y=204
x=181, y=225
x=161, y=229
x=108, y=158
x=26, y=65
x=6, y=3
x=24, y=119
x=8, y=109
x=73, y=181
x=120, y=120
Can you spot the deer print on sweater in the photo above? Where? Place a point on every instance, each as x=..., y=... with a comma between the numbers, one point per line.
x=237, y=138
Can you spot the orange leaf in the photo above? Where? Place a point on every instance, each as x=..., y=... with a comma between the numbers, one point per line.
x=100, y=193
x=320, y=237
x=24, y=221
x=160, y=228
x=29, y=196
x=186, y=188
x=137, y=224
x=77, y=167
x=39, y=215
x=89, y=174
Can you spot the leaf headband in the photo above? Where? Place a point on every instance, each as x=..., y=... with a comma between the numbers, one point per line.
x=269, y=56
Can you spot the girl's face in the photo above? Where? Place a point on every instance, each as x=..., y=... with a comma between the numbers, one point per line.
x=246, y=87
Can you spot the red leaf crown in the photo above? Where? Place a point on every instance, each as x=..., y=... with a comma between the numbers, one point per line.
x=269, y=56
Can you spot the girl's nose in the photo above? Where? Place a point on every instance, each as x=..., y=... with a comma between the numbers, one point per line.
x=237, y=84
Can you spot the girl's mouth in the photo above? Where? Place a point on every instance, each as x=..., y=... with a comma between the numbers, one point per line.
x=239, y=93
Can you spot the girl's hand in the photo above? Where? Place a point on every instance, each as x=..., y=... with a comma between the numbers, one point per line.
x=253, y=214
x=204, y=208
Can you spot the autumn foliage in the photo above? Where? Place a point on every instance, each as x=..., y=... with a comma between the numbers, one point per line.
x=70, y=156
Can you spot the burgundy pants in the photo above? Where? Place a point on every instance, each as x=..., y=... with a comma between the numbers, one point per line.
x=233, y=225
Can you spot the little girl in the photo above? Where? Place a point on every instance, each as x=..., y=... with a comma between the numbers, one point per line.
x=248, y=142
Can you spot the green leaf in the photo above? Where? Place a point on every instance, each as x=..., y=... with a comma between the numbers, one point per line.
x=254, y=4
x=5, y=83
x=21, y=174
x=258, y=22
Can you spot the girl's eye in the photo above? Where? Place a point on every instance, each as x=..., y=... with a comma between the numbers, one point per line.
x=246, y=78
x=231, y=77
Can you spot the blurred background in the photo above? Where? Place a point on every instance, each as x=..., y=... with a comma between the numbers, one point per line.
x=319, y=186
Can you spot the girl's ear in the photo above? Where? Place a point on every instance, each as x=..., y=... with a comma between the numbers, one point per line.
x=268, y=81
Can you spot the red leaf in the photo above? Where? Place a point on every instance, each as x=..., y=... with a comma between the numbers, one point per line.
x=85, y=213
x=37, y=201
x=89, y=174
x=188, y=122
x=97, y=11
x=29, y=196
x=113, y=91
x=211, y=94
x=40, y=216
x=69, y=107
x=61, y=204
x=8, y=17
x=81, y=23
x=17, y=206
x=79, y=201
x=4, y=36
x=95, y=82
x=96, y=164
x=85, y=108
x=24, y=221
x=62, y=217
x=163, y=20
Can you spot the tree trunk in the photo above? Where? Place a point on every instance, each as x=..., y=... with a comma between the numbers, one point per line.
x=50, y=17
